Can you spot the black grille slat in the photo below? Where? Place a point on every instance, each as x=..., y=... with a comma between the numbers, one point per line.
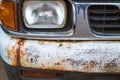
x=102, y=11
x=105, y=26
x=102, y=1
x=104, y=19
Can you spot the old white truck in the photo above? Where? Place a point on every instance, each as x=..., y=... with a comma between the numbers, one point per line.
x=60, y=39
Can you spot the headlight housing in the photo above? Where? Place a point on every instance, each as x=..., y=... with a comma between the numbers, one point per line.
x=44, y=14
x=38, y=18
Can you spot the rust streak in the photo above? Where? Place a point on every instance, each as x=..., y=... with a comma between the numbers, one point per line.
x=14, y=51
x=75, y=56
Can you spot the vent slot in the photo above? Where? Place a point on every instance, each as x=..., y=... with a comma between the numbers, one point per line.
x=101, y=1
x=104, y=19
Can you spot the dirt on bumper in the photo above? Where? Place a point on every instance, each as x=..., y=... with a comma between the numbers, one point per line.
x=77, y=56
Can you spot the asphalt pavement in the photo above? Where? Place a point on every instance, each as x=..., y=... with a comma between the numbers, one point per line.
x=2, y=71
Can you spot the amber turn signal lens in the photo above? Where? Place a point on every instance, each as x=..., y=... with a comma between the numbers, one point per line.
x=38, y=74
x=8, y=14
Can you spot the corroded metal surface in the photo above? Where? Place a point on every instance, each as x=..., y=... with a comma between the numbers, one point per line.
x=8, y=48
x=78, y=56
x=85, y=56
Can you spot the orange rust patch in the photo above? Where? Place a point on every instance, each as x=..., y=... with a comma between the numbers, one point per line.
x=67, y=62
x=8, y=52
x=12, y=56
x=13, y=51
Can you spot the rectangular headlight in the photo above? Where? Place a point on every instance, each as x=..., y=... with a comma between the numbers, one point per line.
x=44, y=14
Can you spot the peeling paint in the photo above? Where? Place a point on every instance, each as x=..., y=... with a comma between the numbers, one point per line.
x=13, y=51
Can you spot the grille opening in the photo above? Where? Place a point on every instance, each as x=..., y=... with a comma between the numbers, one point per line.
x=104, y=19
x=108, y=1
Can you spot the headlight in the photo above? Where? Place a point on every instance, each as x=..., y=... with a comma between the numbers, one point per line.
x=44, y=14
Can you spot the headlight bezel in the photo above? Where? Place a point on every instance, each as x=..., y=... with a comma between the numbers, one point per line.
x=68, y=25
x=24, y=32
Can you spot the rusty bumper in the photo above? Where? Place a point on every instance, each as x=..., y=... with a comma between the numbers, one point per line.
x=77, y=56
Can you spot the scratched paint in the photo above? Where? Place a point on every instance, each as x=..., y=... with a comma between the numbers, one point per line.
x=77, y=56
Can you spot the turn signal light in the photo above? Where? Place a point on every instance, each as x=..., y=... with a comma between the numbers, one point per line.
x=8, y=14
x=39, y=74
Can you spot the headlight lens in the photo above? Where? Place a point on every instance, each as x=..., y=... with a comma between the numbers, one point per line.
x=44, y=14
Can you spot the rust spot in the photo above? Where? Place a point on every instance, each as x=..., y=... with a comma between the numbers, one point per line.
x=60, y=45
x=41, y=42
x=31, y=55
x=69, y=59
x=110, y=67
x=13, y=51
x=31, y=60
x=8, y=52
x=21, y=42
x=87, y=66
x=57, y=63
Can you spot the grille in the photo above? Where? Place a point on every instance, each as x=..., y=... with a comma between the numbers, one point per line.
x=102, y=1
x=104, y=19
